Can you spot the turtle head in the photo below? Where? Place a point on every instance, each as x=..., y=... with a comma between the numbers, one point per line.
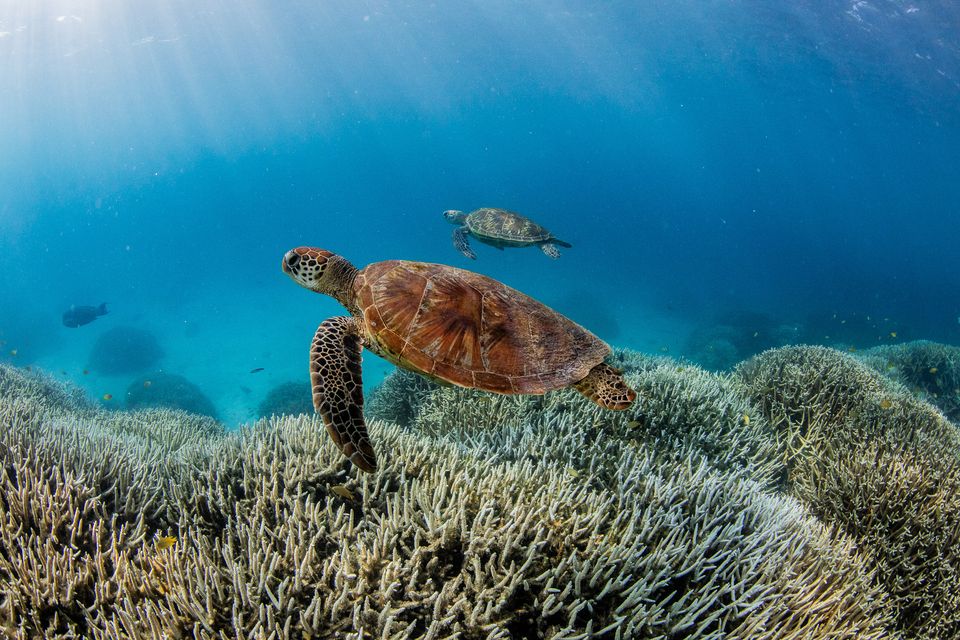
x=320, y=271
x=454, y=216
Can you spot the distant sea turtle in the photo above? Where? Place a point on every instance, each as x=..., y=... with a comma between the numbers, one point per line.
x=500, y=228
x=448, y=324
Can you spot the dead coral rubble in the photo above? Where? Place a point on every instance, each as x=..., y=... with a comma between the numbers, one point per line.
x=276, y=537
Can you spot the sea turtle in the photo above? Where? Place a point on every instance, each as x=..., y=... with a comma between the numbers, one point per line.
x=500, y=228
x=451, y=325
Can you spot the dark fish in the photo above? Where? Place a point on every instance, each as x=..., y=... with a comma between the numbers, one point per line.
x=257, y=370
x=79, y=316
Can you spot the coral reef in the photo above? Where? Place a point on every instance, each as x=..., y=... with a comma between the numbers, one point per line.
x=276, y=537
x=882, y=465
x=398, y=398
x=735, y=336
x=287, y=398
x=124, y=350
x=683, y=413
x=929, y=369
x=168, y=390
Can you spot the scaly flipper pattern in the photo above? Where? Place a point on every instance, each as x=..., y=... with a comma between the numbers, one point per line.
x=337, y=382
x=462, y=243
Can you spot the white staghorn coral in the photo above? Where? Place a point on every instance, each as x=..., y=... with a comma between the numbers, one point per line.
x=276, y=537
x=882, y=465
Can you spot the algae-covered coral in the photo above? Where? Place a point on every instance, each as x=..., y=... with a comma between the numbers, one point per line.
x=720, y=506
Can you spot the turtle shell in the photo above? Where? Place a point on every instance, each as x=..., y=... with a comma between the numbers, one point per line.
x=470, y=330
x=503, y=225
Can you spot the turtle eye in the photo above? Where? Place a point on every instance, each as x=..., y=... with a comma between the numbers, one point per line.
x=293, y=258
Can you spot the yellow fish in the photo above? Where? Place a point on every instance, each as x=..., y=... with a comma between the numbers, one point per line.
x=893, y=334
x=886, y=403
x=852, y=349
x=933, y=370
x=633, y=424
x=573, y=473
x=343, y=492
x=13, y=352
x=108, y=397
x=746, y=420
x=165, y=542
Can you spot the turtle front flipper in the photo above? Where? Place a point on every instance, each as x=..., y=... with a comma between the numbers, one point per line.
x=462, y=244
x=337, y=383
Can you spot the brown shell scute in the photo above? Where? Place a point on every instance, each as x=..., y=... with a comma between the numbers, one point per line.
x=500, y=224
x=470, y=330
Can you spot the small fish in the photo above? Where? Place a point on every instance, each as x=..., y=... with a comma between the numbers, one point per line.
x=893, y=334
x=933, y=370
x=886, y=403
x=343, y=492
x=165, y=542
x=891, y=366
x=108, y=397
x=633, y=424
x=746, y=420
x=756, y=333
x=852, y=349
x=13, y=353
x=86, y=372
x=146, y=384
x=573, y=473
x=256, y=370
x=78, y=316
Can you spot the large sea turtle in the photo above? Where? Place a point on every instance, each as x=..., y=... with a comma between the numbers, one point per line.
x=500, y=228
x=451, y=325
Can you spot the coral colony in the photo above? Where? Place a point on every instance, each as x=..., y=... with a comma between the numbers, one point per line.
x=803, y=495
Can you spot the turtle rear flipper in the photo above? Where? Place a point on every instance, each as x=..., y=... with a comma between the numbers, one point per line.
x=335, y=376
x=462, y=244
x=606, y=386
x=550, y=249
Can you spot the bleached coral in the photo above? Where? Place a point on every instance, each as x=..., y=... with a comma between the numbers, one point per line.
x=929, y=369
x=884, y=466
x=682, y=412
x=275, y=536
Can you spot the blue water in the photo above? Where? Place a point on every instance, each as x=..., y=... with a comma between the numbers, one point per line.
x=773, y=169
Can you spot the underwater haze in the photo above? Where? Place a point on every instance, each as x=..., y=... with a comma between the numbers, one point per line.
x=732, y=175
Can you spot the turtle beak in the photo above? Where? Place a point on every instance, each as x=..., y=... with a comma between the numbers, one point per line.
x=290, y=260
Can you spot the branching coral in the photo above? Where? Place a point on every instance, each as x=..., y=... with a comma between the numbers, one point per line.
x=682, y=412
x=885, y=466
x=287, y=398
x=277, y=538
x=929, y=369
x=168, y=390
x=123, y=350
